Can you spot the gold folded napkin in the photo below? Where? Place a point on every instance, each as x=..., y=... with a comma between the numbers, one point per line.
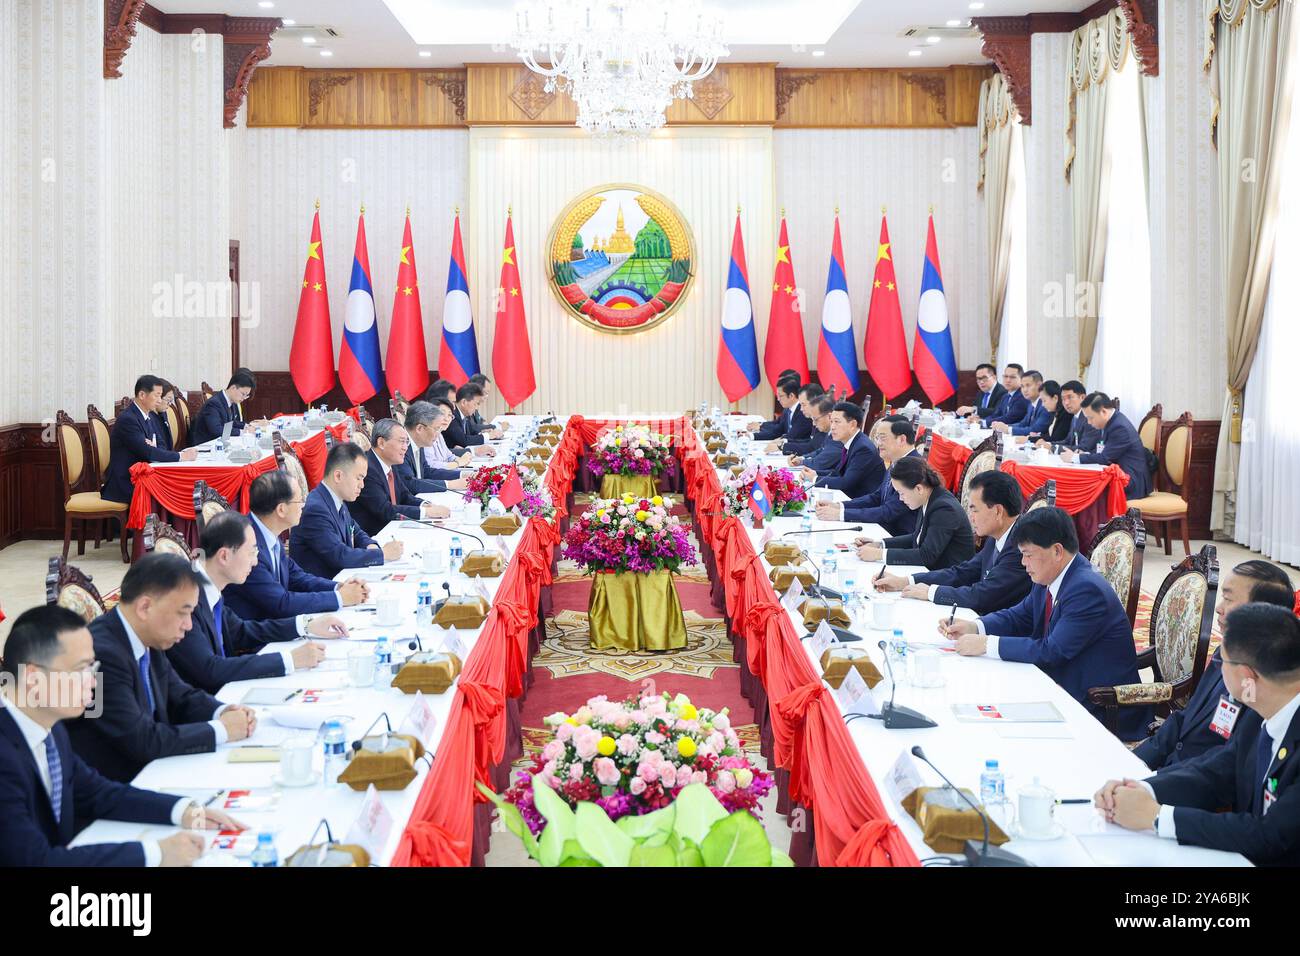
x=428, y=672
x=385, y=760
x=534, y=465
x=816, y=610
x=783, y=577
x=483, y=564
x=737, y=470
x=714, y=435
x=947, y=821
x=780, y=552
x=724, y=461
x=501, y=524
x=336, y=854
x=466, y=613
x=838, y=661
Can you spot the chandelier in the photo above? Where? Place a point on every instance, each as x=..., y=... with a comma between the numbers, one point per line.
x=622, y=61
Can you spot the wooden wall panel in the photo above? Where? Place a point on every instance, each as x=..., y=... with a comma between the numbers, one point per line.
x=891, y=98
x=352, y=99
x=752, y=91
x=503, y=94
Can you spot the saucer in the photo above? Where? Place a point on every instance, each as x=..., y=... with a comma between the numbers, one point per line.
x=1055, y=833
x=311, y=781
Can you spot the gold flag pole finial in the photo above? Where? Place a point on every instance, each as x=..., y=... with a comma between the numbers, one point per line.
x=782, y=212
x=737, y=209
x=882, y=209
x=408, y=212
x=510, y=210
x=458, y=210
x=931, y=209
x=317, y=203
x=363, y=209
x=837, y=209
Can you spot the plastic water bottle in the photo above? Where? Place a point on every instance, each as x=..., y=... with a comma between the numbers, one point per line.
x=383, y=664
x=993, y=785
x=898, y=656
x=852, y=600
x=830, y=563
x=264, y=854
x=424, y=606
x=336, y=745
x=805, y=522
x=457, y=554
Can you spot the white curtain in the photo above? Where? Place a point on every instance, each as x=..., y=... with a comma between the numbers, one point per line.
x=1268, y=510
x=1013, y=346
x=1121, y=362
x=999, y=132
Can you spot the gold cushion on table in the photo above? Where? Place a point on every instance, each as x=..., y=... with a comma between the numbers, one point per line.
x=540, y=451
x=550, y=428
x=779, y=553
x=816, y=610
x=783, y=577
x=391, y=769
x=946, y=830
x=1159, y=504
x=501, y=524
x=635, y=611
x=534, y=465
x=725, y=461
x=638, y=486
x=483, y=564
x=838, y=661
x=428, y=672
x=463, y=612
x=551, y=440
x=335, y=856
x=90, y=502
x=715, y=445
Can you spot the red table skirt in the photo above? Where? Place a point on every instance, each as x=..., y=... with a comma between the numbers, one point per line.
x=948, y=457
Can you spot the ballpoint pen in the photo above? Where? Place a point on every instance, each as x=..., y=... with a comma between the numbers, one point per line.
x=953, y=615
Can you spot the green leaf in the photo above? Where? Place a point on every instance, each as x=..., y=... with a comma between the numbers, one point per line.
x=573, y=851
x=598, y=835
x=552, y=806
x=739, y=840
x=513, y=819
x=780, y=859
x=650, y=825
x=652, y=856
x=697, y=810
x=688, y=854
x=550, y=848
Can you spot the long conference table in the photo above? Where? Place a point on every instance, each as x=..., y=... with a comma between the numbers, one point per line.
x=837, y=774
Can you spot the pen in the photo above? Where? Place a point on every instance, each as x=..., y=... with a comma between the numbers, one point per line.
x=882, y=572
x=953, y=615
x=339, y=630
x=1075, y=800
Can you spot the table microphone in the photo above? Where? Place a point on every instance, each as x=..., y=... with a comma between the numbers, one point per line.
x=427, y=523
x=823, y=593
x=896, y=717
x=982, y=855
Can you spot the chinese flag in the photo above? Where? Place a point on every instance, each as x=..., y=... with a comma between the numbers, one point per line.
x=311, y=359
x=407, y=364
x=785, y=346
x=885, y=347
x=511, y=491
x=512, y=358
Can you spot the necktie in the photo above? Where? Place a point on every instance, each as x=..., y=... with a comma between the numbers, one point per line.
x=347, y=525
x=1263, y=760
x=1047, y=613
x=217, y=628
x=392, y=487
x=148, y=683
x=418, y=453
x=56, y=776
x=276, y=559
x=844, y=457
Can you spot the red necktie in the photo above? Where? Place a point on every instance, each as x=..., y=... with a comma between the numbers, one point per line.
x=392, y=487
x=1047, y=613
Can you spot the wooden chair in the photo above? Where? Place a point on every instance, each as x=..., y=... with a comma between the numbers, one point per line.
x=101, y=444
x=1116, y=552
x=72, y=588
x=183, y=413
x=1162, y=508
x=83, y=506
x=929, y=440
x=207, y=503
x=159, y=536
x=1182, y=619
x=286, y=459
x=208, y=390
x=1149, y=429
x=360, y=433
x=396, y=411
x=983, y=457
x=1043, y=497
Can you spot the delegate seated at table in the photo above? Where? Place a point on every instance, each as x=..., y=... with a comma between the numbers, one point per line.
x=859, y=469
x=895, y=437
x=943, y=535
x=826, y=455
x=223, y=408
x=994, y=579
x=384, y=495
x=790, y=423
x=221, y=647
x=439, y=454
x=1059, y=421
x=148, y=711
x=468, y=399
x=1013, y=405
x=810, y=397
x=1243, y=797
x=1071, y=625
x=991, y=392
x=1191, y=731
x=327, y=539
x=135, y=438
x=476, y=422
x=1118, y=444
x=424, y=425
x=47, y=792
x=1036, y=416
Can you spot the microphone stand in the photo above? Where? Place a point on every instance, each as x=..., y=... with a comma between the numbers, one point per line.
x=983, y=854
x=894, y=716
x=818, y=586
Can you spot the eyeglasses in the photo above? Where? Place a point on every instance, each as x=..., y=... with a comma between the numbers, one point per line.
x=90, y=670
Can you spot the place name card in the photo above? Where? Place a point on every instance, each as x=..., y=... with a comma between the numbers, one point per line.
x=904, y=777
x=420, y=721
x=821, y=640
x=793, y=595
x=372, y=826
x=854, y=696
x=453, y=643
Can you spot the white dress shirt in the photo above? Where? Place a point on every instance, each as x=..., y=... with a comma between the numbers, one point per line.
x=277, y=555
x=213, y=595
x=35, y=736
x=920, y=523
x=999, y=545
x=991, y=650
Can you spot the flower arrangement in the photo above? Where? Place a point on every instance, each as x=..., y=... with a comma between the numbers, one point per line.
x=635, y=756
x=786, y=492
x=485, y=484
x=630, y=450
x=629, y=534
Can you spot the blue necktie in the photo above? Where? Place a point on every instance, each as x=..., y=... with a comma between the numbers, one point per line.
x=277, y=562
x=216, y=626
x=56, y=777
x=1263, y=760
x=148, y=684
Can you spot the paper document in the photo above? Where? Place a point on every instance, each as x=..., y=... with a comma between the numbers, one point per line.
x=1031, y=712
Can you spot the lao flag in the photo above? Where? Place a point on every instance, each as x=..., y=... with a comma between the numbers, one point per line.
x=932, y=354
x=458, y=353
x=837, y=357
x=360, y=372
x=760, y=497
x=737, y=346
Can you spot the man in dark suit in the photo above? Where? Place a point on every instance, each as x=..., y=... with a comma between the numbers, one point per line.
x=787, y=396
x=468, y=399
x=1071, y=624
x=1013, y=405
x=991, y=392
x=384, y=495
x=895, y=438
x=47, y=792
x=425, y=423
x=276, y=586
x=1036, y=418
x=224, y=407
x=477, y=422
x=1255, y=776
x=859, y=469
x=795, y=442
x=1189, y=732
x=1118, y=444
x=148, y=711
x=1081, y=436
x=992, y=580
x=165, y=437
x=327, y=539
x=135, y=438
x=825, y=452
x=221, y=647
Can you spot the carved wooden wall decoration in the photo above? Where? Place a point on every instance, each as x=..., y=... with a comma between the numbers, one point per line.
x=452, y=87
x=1007, y=44
x=247, y=43
x=1143, y=18
x=319, y=88
x=788, y=84
x=935, y=85
x=712, y=94
x=120, y=19
x=530, y=95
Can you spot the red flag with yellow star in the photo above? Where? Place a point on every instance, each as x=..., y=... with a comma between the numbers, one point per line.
x=512, y=358
x=311, y=358
x=885, y=346
x=406, y=366
x=785, y=347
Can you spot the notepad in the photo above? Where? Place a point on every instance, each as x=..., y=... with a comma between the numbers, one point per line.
x=253, y=754
x=1029, y=712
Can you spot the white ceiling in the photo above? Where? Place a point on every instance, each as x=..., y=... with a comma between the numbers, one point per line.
x=852, y=33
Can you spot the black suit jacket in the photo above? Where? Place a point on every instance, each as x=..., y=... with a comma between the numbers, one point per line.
x=990, y=581
x=1186, y=733
x=325, y=542
x=431, y=478
x=805, y=446
x=29, y=833
x=212, y=417
x=373, y=508
x=129, y=445
x=1059, y=427
x=989, y=401
x=860, y=472
x=458, y=433
x=1081, y=436
x=776, y=427
x=128, y=735
x=883, y=507
x=199, y=662
x=1122, y=446
x=164, y=430
x=943, y=536
x=1229, y=777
